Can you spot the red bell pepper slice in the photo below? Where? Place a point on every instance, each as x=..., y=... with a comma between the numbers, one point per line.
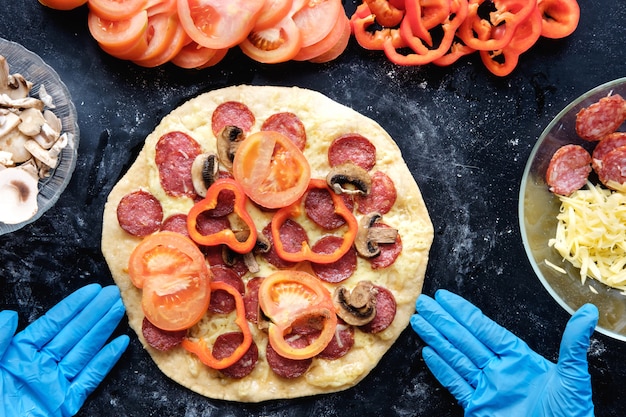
x=199, y=347
x=456, y=51
x=424, y=55
x=503, y=61
x=361, y=20
x=225, y=236
x=306, y=253
x=560, y=17
x=501, y=25
x=387, y=15
x=423, y=15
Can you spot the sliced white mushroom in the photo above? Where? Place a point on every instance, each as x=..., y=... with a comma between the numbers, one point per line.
x=19, y=87
x=6, y=158
x=13, y=142
x=20, y=103
x=357, y=306
x=31, y=122
x=204, y=172
x=8, y=122
x=47, y=99
x=18, y=195
x=40, y=153
x=31, y=167
x=59, y=145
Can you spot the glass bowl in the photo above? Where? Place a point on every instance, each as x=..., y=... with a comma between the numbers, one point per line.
x=538, y=209
x=35, y=70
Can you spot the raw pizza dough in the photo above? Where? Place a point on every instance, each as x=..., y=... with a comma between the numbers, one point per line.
x=324, y=119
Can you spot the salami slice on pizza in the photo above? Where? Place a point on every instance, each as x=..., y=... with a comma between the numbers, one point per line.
x=268, y=243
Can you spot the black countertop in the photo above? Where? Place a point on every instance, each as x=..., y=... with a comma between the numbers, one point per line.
x=465, y=134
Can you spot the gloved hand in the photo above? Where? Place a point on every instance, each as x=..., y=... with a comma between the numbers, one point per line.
x=491, y=372
x=51, y=367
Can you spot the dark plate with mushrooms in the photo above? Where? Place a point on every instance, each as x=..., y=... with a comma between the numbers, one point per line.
x=39, y=136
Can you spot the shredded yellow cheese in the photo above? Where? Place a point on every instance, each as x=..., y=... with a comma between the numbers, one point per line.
x=591, y=234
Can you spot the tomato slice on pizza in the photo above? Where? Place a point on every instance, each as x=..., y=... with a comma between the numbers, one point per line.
x=295, y=298
x=174, y=277
x=271, y=169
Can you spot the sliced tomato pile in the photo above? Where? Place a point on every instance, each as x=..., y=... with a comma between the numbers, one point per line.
x=174, y=277
x=199, y=33
x=420, y=32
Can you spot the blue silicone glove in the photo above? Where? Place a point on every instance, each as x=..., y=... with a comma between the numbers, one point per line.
x=51, y=367
x=491, y=372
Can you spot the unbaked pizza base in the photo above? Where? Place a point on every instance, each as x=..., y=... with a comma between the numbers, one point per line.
x=324, y=119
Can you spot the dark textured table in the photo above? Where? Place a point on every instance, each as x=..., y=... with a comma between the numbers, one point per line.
x=466, y=136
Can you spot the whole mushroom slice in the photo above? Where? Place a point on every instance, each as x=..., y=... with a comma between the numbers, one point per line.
x=349, y=178
x=368, y=237
x=227, y=143
x=204, y=172
x=356, y=307
x=18, y=195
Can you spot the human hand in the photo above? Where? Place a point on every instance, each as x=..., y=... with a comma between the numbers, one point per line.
x=491, y=372
x=50, y=368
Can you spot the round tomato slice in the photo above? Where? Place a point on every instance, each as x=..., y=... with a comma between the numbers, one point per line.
x=328, y=42
x=316, y=19
x=116, y=9
x=218, y=24
x=62, y=4
x=271, y=169
x=275, y=44
x=290, y=299
x=273, y=11
x=175, y=280
x=118, y=37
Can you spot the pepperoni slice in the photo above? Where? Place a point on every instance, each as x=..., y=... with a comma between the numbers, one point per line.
x=568, y=169
x=385, y=311
x=339, y=270
x=292, y=234
x=389, y=252
x=225, y=200
x=381, y=198
x=613, y=168
x=251, y=299
x=221, y=301
x=232, y=113
x=222, y=255
x=607, y=144
x=175, y=153
x=176, y=223
x=288, y=368
x=289, y=125
x=160, y=339
x=139, y=213
x=340, y=344
x=352, y=147
x=601, y=118
x=224, y=346
x=319, y=207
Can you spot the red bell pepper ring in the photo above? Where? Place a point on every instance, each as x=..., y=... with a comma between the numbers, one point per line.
x=361, y=20
x=423, y=15
x=199, y=347
x=386, y=14
x=457, y=50
x=502, y=23
x=225, y=236
x=306, y=253
x=560, y=17
x=503, y=61
x=424, y=55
